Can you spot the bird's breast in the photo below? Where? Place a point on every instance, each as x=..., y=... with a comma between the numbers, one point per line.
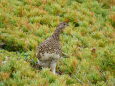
x=49, y=56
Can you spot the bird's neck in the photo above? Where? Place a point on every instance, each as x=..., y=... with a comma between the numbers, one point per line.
x=57, y=33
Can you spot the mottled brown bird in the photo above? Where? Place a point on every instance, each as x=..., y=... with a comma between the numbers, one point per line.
x=49, y=51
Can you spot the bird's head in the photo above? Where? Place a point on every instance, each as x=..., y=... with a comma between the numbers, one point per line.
x=59, y=29
x=63, y=25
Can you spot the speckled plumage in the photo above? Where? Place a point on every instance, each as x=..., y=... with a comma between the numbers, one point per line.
x=49, y=51
x=49, y=46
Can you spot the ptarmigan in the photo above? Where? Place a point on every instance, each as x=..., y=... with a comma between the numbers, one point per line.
x=49, y=51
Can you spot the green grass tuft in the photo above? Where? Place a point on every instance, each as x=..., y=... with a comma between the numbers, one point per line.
x=89, y=42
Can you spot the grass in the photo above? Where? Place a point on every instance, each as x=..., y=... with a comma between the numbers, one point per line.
x=89, y=41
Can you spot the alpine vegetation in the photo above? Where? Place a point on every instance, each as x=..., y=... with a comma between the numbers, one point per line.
x=35, y=33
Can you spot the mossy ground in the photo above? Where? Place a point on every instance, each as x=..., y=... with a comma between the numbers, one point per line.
x=89, y=41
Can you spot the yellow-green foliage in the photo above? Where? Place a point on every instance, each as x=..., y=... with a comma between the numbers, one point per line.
x=89, y=41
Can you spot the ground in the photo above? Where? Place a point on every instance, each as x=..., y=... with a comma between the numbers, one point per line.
x=89, y=41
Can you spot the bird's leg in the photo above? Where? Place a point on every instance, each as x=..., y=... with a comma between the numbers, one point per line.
x=53, y=66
